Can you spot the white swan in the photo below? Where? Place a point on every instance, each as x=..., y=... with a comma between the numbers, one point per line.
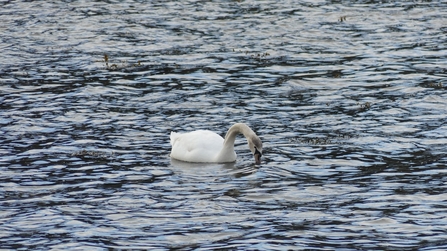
x=207, y=146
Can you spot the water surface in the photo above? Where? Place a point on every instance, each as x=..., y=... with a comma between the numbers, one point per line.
x=348, y=97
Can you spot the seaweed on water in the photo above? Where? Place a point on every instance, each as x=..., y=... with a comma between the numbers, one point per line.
x=365, y=106
x=337, y=139
x=342, y=19
x=92, y=154
x=120, y=65
x=435, y=85
x=255, y=55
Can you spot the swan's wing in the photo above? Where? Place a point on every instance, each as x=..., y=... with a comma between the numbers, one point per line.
x=174, y=137
x=197, y=146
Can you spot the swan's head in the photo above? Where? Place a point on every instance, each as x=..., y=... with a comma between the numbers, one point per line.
x=255, y=145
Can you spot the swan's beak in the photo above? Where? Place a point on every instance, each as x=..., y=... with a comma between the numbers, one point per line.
x=257, y=158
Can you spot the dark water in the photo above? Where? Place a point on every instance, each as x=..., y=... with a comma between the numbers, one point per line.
x=349, y=98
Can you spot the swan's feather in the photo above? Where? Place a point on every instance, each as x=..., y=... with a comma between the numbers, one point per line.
x=207, y=146
x=196, y=146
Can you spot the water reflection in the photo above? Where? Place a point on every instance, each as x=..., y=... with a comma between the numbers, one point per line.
x=212, y=170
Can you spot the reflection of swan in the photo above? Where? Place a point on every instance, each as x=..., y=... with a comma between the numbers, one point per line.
x=211, y=171
x=207, y=146
x=201, y=166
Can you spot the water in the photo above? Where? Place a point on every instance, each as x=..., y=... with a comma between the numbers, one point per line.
x=348, y=97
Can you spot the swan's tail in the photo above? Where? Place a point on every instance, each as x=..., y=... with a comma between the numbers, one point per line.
x=174, y=137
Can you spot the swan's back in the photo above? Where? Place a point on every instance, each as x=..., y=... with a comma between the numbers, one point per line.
x=196, y=146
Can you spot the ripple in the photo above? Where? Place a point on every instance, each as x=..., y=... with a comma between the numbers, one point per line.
x=348, y=99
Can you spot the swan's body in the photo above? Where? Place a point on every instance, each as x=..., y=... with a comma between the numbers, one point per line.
x=207, y=146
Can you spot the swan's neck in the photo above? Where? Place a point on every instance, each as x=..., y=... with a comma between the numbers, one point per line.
x=230, y=137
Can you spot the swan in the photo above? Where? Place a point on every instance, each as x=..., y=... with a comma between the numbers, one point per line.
x=207, y=146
